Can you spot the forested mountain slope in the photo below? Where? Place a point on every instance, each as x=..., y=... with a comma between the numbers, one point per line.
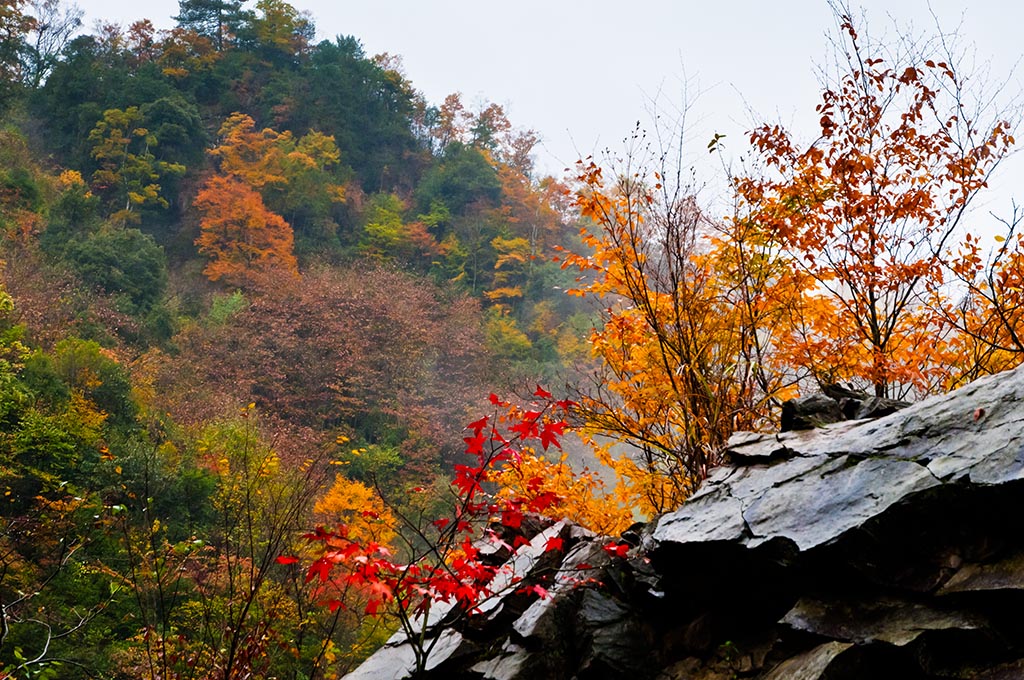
x=253, y=287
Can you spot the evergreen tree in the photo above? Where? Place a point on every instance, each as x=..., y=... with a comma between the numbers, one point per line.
x=215, y=19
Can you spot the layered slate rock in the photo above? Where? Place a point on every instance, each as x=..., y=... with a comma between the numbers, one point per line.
x=833, y=404
x=883, y=548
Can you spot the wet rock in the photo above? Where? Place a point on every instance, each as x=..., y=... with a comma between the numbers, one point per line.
x=876, y=407
x=397, y=660
x=834, y=404
x=819, y=507
x=1006, y=574
x=716, y=517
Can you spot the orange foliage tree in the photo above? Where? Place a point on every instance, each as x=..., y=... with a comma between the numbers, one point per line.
x=835, y=267
x=989, y=316
x=263, y=173
x=252, y=155
x=242, y=238
x=296, y=177
x=868, y=209
x=289, y=172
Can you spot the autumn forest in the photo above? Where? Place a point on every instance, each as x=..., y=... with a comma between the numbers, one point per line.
x=288, y=352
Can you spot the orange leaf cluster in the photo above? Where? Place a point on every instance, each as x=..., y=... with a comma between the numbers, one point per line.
x=867, y=210
x=242, y=238
x=834, y=268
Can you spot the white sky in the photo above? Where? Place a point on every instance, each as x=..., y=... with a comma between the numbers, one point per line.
x=583, y=73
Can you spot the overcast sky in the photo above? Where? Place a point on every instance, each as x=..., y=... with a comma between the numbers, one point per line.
x=583, y=73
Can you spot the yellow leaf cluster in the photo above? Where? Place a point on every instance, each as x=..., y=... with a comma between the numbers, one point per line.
x=358, y=507
x=583, y=497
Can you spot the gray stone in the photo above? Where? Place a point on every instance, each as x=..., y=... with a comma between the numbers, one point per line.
x=511, y=574
x=537, y=620
x=398, y=661
x=748, y=483
x=615, y=634
x=805, y=413
x=1006, y=574
x=810, y=665
x=895, y=621
x=784, y=485
x=508, y=665
x=747, y=448
x=891, y=547
x=714, y=517
x=819, y=507
x=876, y=407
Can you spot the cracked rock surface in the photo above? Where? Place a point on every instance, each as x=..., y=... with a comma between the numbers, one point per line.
x=890, y=547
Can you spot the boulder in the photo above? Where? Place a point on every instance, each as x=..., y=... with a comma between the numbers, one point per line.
x=834, y=404
x=888, y=547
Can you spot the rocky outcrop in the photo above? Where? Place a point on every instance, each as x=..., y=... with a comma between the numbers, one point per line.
x=888, y=548
x=834, y=404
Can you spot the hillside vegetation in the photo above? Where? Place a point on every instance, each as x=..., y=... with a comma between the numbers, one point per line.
x=253, y=285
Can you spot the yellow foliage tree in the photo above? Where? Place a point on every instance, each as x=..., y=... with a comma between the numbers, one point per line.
x=582, y=497
x=359, y=508
x=129, y=173
x=686, y=343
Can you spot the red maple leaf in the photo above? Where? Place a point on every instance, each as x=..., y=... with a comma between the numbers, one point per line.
x=617, y=549
x=540, y=591
x=512, y=518
x=554, y=543
x=475, y=444
x=543, y=501
x=467, y=480
x=551, y=432
x=478, y=425
x=321, y=568
x=527, y=426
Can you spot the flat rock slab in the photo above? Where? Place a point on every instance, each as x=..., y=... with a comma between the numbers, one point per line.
x=717, y=517
x=895, y=621
x=817, y=508
x=1006, y=574
x=812, y=486
x=810, y=665
x=398, y=661
x=510, y=664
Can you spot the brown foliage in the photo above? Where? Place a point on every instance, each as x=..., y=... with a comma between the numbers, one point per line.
x=52, y=304
x=340, y=346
